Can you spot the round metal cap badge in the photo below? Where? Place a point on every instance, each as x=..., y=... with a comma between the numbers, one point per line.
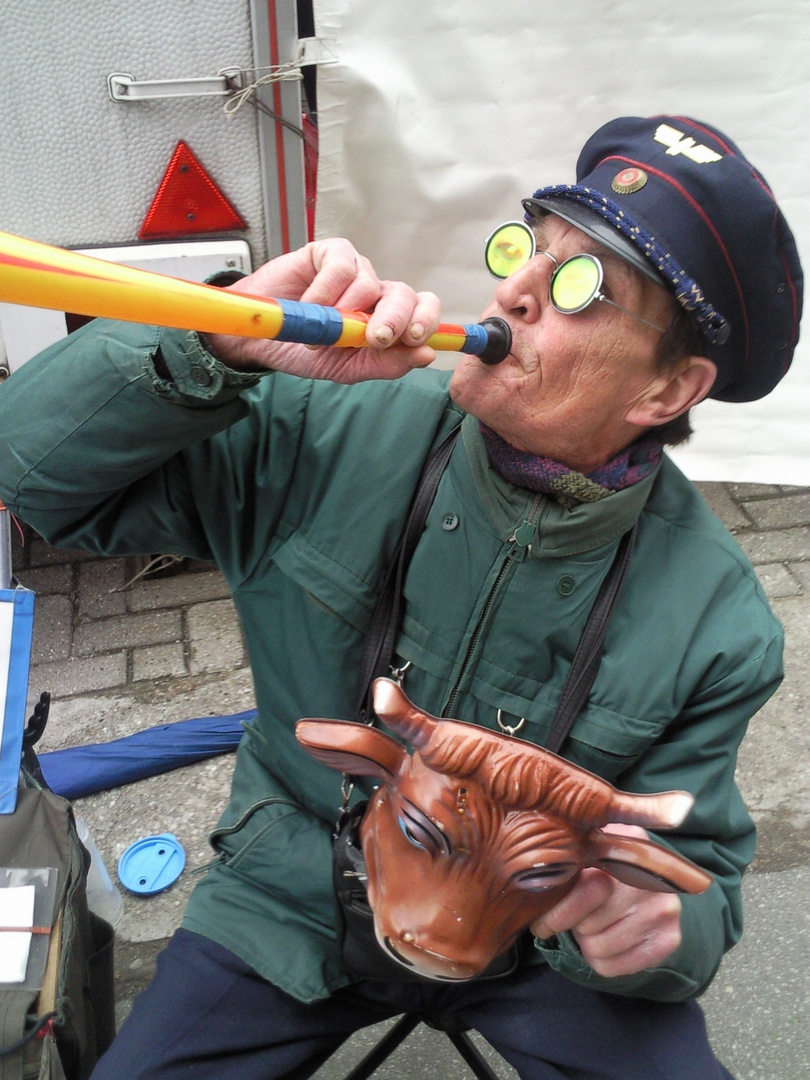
x=628, y=181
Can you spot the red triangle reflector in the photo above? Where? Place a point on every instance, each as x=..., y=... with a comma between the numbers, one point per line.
x=188, y=202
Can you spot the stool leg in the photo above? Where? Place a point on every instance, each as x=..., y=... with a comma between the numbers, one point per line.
x=471, y=1054
x=385, y=1047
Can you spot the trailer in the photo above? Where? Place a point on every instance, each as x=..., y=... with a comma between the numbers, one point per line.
x=171, y=137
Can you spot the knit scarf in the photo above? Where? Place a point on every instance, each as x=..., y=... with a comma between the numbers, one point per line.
x=565, y=485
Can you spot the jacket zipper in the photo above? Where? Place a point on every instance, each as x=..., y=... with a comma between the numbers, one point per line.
x=521, y=541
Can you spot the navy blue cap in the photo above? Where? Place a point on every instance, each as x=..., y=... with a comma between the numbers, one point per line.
x=677, y=199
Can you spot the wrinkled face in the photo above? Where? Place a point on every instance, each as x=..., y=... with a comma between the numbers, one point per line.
x=569, y=382
x=453, y=878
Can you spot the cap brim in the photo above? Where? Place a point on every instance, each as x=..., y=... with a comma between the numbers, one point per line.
x=595, y=226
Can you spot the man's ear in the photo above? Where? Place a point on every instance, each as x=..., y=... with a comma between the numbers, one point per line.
x=673, y=392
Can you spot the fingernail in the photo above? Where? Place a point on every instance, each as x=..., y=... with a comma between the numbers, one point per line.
x=416, y=331
x=384, y=335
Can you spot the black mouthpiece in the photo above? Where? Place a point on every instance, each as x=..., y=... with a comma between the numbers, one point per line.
x=499, y=343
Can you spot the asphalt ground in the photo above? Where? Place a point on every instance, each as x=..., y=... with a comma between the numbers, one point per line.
x=121, y=651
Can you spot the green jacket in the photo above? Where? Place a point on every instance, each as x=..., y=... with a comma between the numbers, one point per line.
x=298, y=491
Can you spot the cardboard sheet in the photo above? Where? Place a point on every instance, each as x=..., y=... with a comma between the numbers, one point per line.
x=27, y=900
x=16, y=909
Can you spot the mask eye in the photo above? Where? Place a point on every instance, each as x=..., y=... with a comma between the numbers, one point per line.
x=420, y=831
x=410, y=834
x=540, y=878
x=508, y=248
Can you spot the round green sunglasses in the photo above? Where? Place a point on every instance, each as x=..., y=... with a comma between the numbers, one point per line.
x=575, y=283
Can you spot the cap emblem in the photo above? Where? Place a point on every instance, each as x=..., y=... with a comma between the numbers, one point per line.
x=629, y=180
x=678, y=143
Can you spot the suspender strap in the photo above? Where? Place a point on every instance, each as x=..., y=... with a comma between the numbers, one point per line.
x=589, y=651
x=381, y=638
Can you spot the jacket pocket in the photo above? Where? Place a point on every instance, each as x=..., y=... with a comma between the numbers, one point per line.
x=335, y=589
x=233, y=843
x=277, y=846
x=601, y=740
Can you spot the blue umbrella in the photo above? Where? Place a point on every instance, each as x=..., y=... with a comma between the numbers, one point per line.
x=84, y=770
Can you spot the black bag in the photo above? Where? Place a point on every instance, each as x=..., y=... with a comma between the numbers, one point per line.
x=58, y=1031
x=362, y=954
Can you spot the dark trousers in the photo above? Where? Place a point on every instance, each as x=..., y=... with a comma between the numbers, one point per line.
x=207, y=1015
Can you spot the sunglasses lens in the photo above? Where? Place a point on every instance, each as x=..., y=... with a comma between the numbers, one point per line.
x=575, y=284
x=510, y=247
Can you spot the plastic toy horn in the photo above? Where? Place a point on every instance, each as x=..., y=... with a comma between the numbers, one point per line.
x=39, y=275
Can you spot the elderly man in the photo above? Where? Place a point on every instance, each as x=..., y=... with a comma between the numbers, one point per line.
x=665, y=274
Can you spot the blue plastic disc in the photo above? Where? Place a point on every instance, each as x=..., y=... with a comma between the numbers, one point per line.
x=151, y=864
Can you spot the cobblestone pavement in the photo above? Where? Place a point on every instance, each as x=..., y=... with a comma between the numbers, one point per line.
x=121, y=652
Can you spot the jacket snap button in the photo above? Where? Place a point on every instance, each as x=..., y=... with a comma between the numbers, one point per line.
x=450, y=522
x=200, y=376
x=566, y=585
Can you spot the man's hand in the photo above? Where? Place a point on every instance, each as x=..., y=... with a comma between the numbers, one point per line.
x=620, y=930
x=332, y=272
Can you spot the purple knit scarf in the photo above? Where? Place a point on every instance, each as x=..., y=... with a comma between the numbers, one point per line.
x=565, y=485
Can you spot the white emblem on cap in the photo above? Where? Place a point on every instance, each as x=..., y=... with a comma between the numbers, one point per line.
x=678, y=143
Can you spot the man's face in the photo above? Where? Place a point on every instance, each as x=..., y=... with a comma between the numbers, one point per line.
x=569, y=382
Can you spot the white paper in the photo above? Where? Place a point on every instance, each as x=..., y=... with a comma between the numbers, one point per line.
x=432, y=128
x=16, y=909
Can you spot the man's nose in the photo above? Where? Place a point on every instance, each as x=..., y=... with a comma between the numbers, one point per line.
x=525, y=292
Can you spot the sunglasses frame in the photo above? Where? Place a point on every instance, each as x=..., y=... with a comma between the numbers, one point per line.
x=597, y=294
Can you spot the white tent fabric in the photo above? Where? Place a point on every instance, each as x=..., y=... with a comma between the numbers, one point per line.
x=438, y=117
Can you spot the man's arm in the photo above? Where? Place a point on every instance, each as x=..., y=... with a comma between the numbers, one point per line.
x=94, y=430
x=612, y=937
x=333, y=273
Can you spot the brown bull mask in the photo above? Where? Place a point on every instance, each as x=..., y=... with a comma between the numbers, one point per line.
x=476, y=835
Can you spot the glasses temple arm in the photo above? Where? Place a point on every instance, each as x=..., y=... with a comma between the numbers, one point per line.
x=652, y=325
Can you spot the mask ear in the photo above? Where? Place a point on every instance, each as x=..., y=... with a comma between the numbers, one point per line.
x=645, y=865
x=351, y=748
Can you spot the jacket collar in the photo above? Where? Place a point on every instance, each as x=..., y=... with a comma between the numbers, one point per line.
x=561, y=532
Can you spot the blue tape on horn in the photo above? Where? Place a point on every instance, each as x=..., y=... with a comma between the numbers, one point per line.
x=477, y=339
x=309, y=324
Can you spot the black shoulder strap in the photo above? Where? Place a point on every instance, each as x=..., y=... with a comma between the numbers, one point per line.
x=382, y=633
x=589, y=651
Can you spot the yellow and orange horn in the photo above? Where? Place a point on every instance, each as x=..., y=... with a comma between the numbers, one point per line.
x=39, y=275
